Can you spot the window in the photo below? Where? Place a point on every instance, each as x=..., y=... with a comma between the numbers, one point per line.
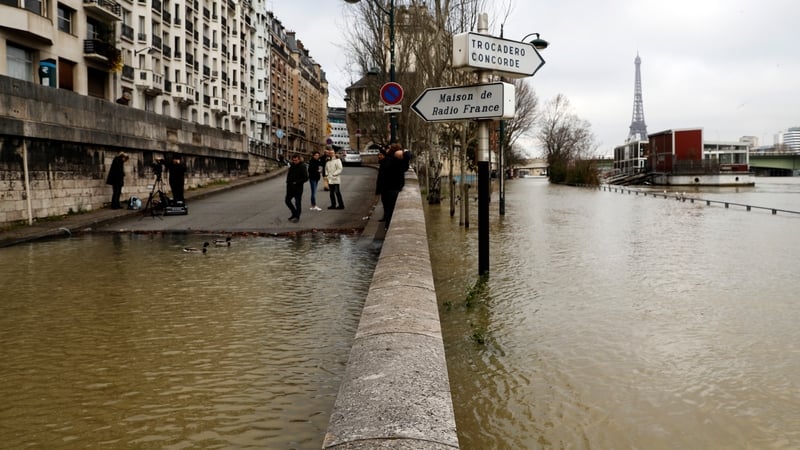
x=65, y=15
x=36, y=6
x=142, y=33
x=19, y=62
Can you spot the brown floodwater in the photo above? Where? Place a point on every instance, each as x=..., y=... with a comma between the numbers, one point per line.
x=617, y=321
x=129, y=342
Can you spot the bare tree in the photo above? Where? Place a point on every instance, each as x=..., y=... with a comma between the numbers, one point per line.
x=566, y=138
x=424, y=33
x=526, y=115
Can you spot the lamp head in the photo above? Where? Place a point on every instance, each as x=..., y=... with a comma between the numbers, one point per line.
x=539, y=43
x=352, y=1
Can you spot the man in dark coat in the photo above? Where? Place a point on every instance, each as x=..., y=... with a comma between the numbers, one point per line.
x=177, y=174
x=315, y=166
x=392, y=178
x=116, y=178
x=295, y=177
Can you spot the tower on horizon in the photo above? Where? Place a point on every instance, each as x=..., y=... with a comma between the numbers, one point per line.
x=638, y=130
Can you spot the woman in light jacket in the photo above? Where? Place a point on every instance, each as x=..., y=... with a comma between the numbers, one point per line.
x=333, y=171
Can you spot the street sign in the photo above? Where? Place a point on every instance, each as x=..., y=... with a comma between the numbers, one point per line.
x=391, y=93
x=513, y=59
x=391, y=109
x=279, y=133
x=480, y=101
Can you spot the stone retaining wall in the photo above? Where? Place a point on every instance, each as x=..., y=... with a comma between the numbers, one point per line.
x=396, y=392
x=67, y=142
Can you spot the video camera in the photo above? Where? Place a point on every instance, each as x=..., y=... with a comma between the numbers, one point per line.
x=158, y=167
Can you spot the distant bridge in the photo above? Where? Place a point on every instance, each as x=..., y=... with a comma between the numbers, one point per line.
x=775, y=163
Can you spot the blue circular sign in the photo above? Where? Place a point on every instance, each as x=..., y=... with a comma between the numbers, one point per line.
x=391, y=93
x=279, y=133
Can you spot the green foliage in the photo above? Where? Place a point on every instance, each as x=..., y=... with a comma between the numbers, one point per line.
x=476, y=291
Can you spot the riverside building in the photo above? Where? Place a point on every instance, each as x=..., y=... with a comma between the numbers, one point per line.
x=230, y=65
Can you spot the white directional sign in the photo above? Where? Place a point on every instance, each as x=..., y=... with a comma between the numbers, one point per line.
x=481, y=101
x=513, y=59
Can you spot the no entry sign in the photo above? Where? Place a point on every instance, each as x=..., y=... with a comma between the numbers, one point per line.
x=391, y=93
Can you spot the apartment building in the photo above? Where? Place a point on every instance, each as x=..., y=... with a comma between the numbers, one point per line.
x=227, y=64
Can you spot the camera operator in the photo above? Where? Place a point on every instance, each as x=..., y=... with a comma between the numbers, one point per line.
x=177, y=174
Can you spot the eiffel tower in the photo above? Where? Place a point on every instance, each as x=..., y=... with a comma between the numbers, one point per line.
x=638, y=130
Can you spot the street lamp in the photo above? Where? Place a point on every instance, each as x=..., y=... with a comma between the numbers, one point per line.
x=539, y=44
x=389, y=12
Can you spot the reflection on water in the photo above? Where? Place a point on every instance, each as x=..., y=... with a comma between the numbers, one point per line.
x=128, y=342
x=621, y=321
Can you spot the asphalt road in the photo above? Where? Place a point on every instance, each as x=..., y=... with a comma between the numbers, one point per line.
x=259, y=209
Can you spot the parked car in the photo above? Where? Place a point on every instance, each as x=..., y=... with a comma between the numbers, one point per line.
x=350, y=157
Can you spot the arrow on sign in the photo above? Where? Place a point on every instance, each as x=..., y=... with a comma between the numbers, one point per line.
x=480, y=101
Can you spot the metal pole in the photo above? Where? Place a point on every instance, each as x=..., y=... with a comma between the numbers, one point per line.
x=392, y=75
x=483, y=171
x=502, y=170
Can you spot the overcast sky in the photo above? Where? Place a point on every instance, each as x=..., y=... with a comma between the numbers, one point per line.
x=731, y=67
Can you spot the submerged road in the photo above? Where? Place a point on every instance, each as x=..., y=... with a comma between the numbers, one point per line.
x=259, y=209
x=252, y=205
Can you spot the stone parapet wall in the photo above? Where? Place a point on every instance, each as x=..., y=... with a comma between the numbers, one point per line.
x=396, y=392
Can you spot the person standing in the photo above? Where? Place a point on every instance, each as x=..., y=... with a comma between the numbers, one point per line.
x=393, y=179
x=382, y=163
x=333, y=171
x=295, y=177
x=314, y=175
x=177, y=175
x=116, y=178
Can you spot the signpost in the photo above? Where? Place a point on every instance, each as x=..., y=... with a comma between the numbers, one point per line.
x=481, y=101
x=513, y=59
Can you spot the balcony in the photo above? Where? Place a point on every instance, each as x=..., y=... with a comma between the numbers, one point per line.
x=100, y=51
x=127, y=72
x=183, y=93
x=258, y=116
x=219, y=106
x=127, y=32
x=166, y=50
x=103, y=9
x=156, y=41
x=152, y=83
x=237, y=112
x=156, y=6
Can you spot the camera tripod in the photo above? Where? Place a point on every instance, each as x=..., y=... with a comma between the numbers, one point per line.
x=157, y=200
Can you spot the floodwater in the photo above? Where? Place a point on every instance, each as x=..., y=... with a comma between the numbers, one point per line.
x=617, y=321
x=128, y=342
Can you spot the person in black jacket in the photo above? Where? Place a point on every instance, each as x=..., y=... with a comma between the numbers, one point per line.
x=116, y=178
x=392, y=174
x=177, y=175
x=295, y=177
x=315, y=166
